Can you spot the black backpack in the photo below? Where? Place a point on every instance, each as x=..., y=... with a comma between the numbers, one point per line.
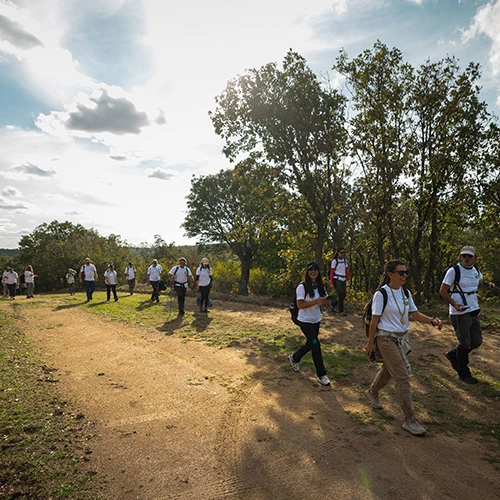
x=456, y=283
x=294, y=309
x=367, y=314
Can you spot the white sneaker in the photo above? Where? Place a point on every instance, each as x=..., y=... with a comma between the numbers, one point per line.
x=374, y=401
x=324, y=380
x=413, y=426
x=295, y=366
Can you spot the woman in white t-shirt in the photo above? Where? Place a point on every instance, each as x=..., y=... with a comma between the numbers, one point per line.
x=29, y=280
x=311, y=295
x=111, y=280
x=388, y=335
x=204, y=282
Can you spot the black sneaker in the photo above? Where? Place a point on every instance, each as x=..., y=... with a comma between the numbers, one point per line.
x=469, y=379
x=452, y=358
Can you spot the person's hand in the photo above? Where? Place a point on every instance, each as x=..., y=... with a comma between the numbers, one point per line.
x=437, y=323
x=322, y=301
x=369, y=348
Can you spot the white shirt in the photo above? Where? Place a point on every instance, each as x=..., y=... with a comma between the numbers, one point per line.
x=11, y=277
x=340, y=266
x=154, y=272
x=130, y=273
x=469, y=282
x=397, y=302
x=182, y=274
x=311, y=314
x=28, y=277
x=204, y=274
x=111, y=275
x=89, y=272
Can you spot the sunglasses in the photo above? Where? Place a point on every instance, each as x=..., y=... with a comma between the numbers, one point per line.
x=467, y=256
x=315, y=269
x=402, y=273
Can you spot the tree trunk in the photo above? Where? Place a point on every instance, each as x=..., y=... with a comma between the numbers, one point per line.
x=246, y=261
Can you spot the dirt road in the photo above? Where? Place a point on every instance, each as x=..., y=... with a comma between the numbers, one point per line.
x=178, y=419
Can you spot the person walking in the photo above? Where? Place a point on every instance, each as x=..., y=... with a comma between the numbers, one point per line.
x=181, y=276
x=459, y=290
x=130, y=274
x=204, y=282
x=111, y=280
x=5, y=287
x=392, y=305
x=311, y=295
x=339, y=277
x=29, y=280
x=70, y=280
x=154, y=277
x=11, y=278
x=88, y=276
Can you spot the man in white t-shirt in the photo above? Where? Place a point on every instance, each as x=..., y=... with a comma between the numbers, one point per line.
x=461, y=295
x=11, y=278
x=88, y=276
x=154, y=277
x=181, y=277
x=130, y=273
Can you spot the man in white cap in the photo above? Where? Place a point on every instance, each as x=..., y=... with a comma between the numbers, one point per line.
x=459, y=289
x=181, y=277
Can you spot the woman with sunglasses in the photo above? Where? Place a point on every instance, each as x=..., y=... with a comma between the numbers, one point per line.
x=459, y=289
x=311, y=295
x=388, y=335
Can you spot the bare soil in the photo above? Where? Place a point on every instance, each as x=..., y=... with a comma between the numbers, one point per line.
x=177, y=419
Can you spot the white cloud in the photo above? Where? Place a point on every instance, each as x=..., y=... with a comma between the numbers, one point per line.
x=11, y=191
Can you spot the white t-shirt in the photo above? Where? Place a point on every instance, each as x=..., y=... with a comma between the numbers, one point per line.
x=130, y=272
x=469, y=282
x=182, y=274
x=89, y=272
x=311, y=314
x=340, y=266
x=28, y=277
x=397, y=302
x=154, y=272
x=11, y=277
x=111, y=275
x=204, y=274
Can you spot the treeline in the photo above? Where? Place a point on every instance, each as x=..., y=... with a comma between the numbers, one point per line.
x=396, y=162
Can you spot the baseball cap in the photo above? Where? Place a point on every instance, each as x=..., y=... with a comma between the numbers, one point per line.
x=468, y=250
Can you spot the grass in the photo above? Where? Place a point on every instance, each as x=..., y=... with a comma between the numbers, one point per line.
x=44, y=444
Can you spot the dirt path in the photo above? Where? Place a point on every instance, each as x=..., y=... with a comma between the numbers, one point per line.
x=181, y=420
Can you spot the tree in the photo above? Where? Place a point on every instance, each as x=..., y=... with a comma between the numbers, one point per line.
x=291, y=121
x=238, y=207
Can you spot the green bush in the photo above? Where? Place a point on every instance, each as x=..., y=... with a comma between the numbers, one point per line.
x=226, y=276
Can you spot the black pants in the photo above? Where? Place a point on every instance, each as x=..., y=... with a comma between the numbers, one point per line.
x=156, y=290
x=311, y=331
x=341, y=289
x=180, y=290
x=110, y=288
x=205, y=292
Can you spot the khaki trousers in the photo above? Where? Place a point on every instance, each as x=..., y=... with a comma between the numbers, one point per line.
x=394, y=367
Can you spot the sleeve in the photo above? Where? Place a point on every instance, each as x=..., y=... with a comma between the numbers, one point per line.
x=411, y=304
x=347, y=275
x=300, y=292
x=377, y=303
x=449, y=277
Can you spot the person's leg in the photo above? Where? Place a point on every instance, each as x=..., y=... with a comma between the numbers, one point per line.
x=463, y=325
x=182, y=298
x=311, y=330
x=396, y=369
x=12, y=290
x=156, y=291
x=205, y=290
x=88, y=290
x=341, y=289
x=115, y=296
x=108, y=292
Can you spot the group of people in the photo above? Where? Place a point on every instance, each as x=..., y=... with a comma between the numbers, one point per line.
x=180, y=275
x=12, y=283
x=392, y=306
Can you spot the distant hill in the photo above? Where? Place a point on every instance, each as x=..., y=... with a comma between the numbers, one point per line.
x=8, y=251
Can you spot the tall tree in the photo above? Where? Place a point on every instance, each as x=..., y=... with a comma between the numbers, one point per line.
x=288, y=118
x=238, y=207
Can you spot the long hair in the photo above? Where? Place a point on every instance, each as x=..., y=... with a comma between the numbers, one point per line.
x=389, y=267
x=29, y=268
x=309, y=286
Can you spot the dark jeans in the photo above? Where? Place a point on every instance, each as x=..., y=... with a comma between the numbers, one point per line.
x=156, y=290
x=12, y=289
x=180, y=290
x=205, y=292
x=341, y=289
x=89, y=288
x=311, y=331
x=131, y=285
x=110, y=288
x=468, y=332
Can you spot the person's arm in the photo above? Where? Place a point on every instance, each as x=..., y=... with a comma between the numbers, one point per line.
x=422, y=318
x=302, y=304
x=486, y=285
x=347, y=275
x=448, y=297
x=370, y=344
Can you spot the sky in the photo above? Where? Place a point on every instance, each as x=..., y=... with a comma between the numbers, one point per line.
x=104, y=103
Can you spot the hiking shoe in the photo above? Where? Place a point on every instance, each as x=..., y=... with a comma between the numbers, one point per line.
x=374, y=401
x=295, y=366
x=469, y=379
x=452, y=358
x=413, y=426
x=324, y=380
x=343, y=313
